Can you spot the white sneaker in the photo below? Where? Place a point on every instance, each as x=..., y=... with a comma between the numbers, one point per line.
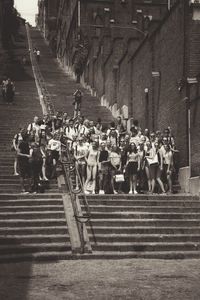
x=135, y=192
x=101, y=192
x=130, y=192
x=87, y=193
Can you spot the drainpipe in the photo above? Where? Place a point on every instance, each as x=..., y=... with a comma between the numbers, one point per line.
x=169, y=4
x=79, y=14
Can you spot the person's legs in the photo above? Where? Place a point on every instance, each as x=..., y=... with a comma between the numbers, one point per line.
x=112, y=180
x=44, y=170
x=158, y=174
x=94, y=173
x=169, y=180
x=152, y=172
x=101, y=183
x=22, y=184
x=88, y=176
x=148, y=178
x=131, y=184
x=15, y=166
x=135, y=184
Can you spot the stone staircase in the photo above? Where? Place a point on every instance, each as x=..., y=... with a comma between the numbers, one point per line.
x=61, y=86
x=34, y=226
x=31, y=226
x=144, y=226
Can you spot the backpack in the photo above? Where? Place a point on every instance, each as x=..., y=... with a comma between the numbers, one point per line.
x=37, y=155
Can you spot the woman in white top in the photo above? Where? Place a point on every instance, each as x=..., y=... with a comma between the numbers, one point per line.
x=168, y=165
x=16, y=141
x=92, y=159
x=80, y=153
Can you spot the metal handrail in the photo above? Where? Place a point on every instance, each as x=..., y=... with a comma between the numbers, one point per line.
x=39, y=78
x=69, y=166
x=72, y=167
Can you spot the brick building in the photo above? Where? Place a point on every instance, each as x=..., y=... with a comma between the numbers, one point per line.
x=142, y=59
x=46, y=20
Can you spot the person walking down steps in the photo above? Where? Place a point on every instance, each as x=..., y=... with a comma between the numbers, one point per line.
x=77, y=102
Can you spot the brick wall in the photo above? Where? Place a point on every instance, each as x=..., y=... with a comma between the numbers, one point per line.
x=162, y=52
x=195, y=132
x=194, y=89
x=120, y=70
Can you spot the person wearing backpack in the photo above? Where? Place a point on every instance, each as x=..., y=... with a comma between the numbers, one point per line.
x=36, y=162
x=33, y=130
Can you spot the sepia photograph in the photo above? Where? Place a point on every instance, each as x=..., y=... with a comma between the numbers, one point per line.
x=99, y=149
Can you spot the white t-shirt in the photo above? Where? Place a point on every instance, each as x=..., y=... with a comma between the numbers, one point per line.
x=34, y=127
x=70, y=132
x=54, y=145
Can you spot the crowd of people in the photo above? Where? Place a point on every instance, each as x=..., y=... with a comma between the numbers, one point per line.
x=109, y=158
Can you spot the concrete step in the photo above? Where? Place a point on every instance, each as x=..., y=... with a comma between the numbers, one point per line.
x=146, y=203
x=18, y=196
x=33, y=215
x=144, y=215
x=31, y=202
x=145, y=246
x=142, y=255
x=44, y=230
x=140, y=238
x=17, y=247
x=38, y=256
x=17, y=190
x=32, y=223
x=143, y=230
x=32, y=208
x=145, y=209
x=145, y=222
x=138, y=197
x=33, y=239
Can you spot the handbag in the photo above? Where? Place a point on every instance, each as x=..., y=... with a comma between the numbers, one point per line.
x=153, y=161
x=119, y=178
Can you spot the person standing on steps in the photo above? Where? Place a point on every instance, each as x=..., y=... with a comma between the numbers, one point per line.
x=133, y=167
x=77, y=102
x=38, y=55
x=33, y=130
x=35, y=162
x=92, y=161
x=3, y=87
x=15, y=143
x=23, y=154
x=9, y=91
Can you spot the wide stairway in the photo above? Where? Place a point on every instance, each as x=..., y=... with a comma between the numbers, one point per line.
x=144, y=226
x=121, y=226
